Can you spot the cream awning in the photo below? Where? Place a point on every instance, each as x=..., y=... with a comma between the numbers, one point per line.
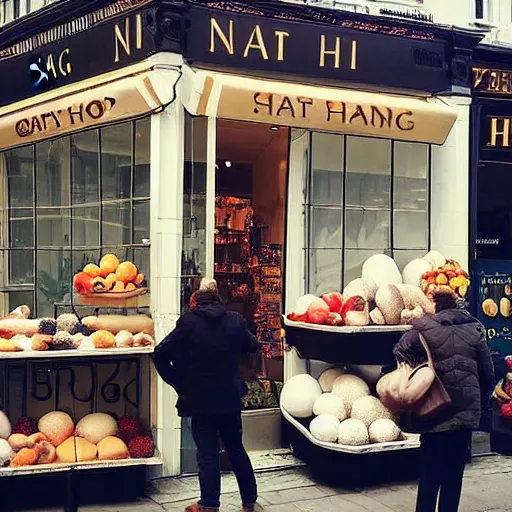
x=330, y=109
x=113, y=97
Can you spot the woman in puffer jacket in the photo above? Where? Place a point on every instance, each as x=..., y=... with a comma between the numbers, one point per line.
x=463, y=362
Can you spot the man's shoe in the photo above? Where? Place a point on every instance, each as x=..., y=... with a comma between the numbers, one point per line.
x=252, y=508
x=196, y=507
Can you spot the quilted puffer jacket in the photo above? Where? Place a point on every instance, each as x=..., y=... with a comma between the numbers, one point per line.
x=462, y=361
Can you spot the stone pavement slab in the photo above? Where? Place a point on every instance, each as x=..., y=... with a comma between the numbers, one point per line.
x=487, y=487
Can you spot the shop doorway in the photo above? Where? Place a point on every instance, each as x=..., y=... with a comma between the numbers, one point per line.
x=247, y=197
x=250, y=201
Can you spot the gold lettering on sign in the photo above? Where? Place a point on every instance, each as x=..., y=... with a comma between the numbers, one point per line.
x=500, y=132
x=63, y=67
x=215, y=29
x=280, y=36
x=493, y=81
x=122, y=38
x=353, y=57
x=259, y=44
x=64, y=64
x=56, y=119
x=340, y=112
x=479, y=76
x=336, y=52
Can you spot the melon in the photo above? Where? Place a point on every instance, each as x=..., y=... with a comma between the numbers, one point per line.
x=376, y=317
x=384, y=431
x=353, y=432
x=331, y=404
x=414, y=271
x=57, y=426
x=5, y=426
x=6, y=451
x=328, y=377
x=299, y=395
x=369, y=409
x=325, y=428
x=380, y=270
x=435, y=258
x=349, y=388
x=360, y=288
x=389, y=301
x=413, y=297
x=76, y=449
x=95, y=427
x=112, y=448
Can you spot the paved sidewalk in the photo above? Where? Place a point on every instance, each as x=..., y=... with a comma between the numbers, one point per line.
x=486, y=489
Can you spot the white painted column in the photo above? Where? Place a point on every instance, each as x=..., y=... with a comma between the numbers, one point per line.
x=167, y=156
x=449, y=226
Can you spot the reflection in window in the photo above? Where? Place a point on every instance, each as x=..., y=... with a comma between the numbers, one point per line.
x=366, y=196
x=69, y=201
x=193, y=259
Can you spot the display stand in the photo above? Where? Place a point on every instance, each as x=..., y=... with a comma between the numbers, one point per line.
x=97, y=380
x=369, y=345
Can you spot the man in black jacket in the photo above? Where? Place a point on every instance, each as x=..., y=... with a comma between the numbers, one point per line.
x=200, y=359
x=463, y=362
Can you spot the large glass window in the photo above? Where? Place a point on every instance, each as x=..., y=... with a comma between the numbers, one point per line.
x=365, y=196
x=193, y=257
x=68, y=201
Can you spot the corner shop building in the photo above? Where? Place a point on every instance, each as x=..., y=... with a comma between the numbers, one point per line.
x=344, y=136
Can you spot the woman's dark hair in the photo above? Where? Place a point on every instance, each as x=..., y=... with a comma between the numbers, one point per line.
x=445, y=299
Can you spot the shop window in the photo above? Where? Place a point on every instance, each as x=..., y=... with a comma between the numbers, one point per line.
x=68, y=201
x=13, y=9
x=481, y=10
x=193, y=258
x=366, y=196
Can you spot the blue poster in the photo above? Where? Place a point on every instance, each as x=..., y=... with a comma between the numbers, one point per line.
x=494, y=296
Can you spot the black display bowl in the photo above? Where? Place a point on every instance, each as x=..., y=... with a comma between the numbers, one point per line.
x=368, y=345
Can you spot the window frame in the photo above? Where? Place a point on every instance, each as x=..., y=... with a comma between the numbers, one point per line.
x=70, y=212
x=308, y=205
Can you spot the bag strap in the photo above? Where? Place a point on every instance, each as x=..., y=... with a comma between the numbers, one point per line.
x=427, y=349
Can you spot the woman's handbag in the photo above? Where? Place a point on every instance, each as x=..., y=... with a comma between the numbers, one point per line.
x=417, y=390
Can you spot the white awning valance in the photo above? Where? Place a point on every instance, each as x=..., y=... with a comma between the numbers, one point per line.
x=131, y=92
x=330, y=109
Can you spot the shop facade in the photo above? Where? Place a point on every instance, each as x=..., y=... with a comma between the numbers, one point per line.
x=275, y=149
x=490, y=231
x=377, y=162
x=79, y=167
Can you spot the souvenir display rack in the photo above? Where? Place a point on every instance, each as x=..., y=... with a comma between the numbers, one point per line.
x=249, y=277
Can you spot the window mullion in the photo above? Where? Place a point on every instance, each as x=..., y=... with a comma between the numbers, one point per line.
x=392, y=202
x=343, y=214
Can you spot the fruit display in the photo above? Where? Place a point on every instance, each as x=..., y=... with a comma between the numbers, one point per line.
x=384, y=296
x=97, y=436
x=346, y=414
x=68, y=332
x=110, y=276
x=449, y=274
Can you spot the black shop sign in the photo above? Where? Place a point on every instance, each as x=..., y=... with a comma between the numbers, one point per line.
x=106, y=47
x=257, y=43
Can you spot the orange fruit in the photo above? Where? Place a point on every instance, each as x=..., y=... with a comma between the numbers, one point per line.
x=92, y=269
x=139, y=279
x=118, y=287
x=110, y=281
x=126, y=272
x=108, y=264
x=130, y=287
